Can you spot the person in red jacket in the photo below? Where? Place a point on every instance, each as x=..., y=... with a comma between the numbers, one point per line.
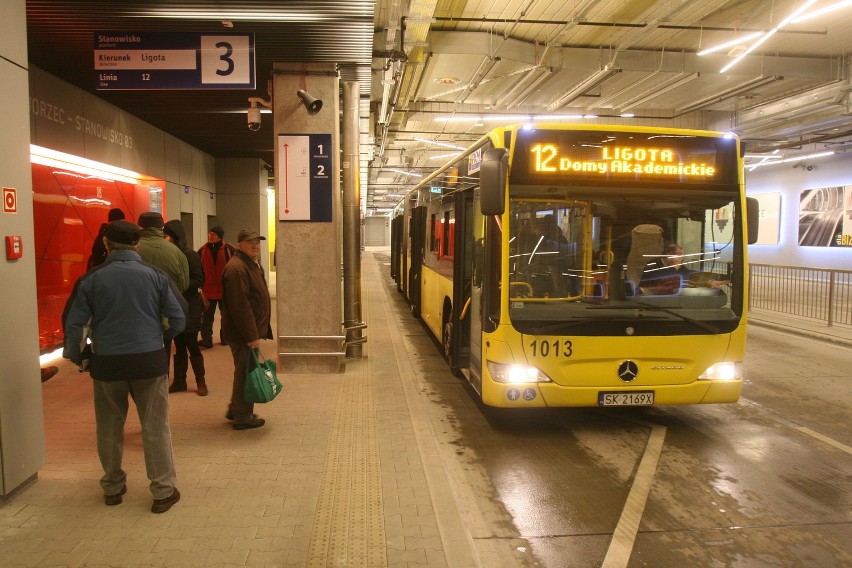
x=215, y=254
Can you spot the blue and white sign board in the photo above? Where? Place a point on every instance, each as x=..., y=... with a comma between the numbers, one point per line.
x=304, y=169
x=161, y=60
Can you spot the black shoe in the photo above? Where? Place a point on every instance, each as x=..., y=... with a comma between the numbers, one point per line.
x=163, y=505
x=255, y=422
x=177, y=387
x=205, y=344
x=115, y=499
x=229, y=415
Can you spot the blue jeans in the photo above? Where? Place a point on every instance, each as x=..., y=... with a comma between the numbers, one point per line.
x=152, y=404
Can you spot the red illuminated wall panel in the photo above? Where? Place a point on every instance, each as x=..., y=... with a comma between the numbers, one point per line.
x=69, y=208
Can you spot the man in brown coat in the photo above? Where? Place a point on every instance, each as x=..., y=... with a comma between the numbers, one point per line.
x=246, y=313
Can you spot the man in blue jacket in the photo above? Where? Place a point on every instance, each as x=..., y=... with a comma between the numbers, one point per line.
x=126, y=307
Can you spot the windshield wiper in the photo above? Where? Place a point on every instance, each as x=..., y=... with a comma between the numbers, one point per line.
x=697, y=323
x=552, y=327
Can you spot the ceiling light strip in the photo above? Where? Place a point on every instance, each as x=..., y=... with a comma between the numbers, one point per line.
x=793, y=159
x=769, y=34
x=660, y=90
x=443, y=144
x=731, y=43
x=594, y=80
x=57, y=159
x=823, y=11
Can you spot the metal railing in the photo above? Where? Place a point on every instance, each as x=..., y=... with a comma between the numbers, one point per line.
x=817, y=293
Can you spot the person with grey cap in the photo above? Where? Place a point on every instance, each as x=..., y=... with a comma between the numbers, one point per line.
x=215, y=254
x=156, y=250
x=246, y=317
x=126, y=308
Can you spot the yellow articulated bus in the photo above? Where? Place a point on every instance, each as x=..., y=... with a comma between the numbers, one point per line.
x=565, y=265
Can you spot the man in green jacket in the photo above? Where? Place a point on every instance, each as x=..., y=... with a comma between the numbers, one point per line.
x=155, y=249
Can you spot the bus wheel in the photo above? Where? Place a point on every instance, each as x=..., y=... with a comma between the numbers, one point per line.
x=446, y=341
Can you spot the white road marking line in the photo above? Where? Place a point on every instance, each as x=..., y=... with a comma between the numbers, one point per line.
x=621, y=545
x=830, y=441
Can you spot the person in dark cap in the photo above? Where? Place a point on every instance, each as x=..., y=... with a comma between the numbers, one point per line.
x=215, y=254
x=187, y=351
x=156, y=250
x=99, y=251
x=246, y=316
x=126, y=308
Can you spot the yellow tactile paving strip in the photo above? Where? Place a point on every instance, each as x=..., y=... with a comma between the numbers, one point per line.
x=346, y=472
x=349, y=527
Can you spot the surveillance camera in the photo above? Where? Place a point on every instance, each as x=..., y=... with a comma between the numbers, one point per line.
x=810, y=168
x=253, y=118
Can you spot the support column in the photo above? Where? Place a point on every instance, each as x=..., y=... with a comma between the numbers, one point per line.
x=352, y=318
x=309, y=229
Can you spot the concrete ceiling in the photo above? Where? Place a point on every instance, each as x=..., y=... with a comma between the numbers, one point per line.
x=445, y=71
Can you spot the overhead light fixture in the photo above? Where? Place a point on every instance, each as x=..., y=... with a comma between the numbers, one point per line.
x=84, y=166
x=485, y=67
x=655, y=92
x=436, y=143
x=793, y=159
x=525, y=92
x=769, y=34
x=594, y=80
x=823, y=11
x=729, y=93
x=412, y=174
x=440, y=156
x=730, y=43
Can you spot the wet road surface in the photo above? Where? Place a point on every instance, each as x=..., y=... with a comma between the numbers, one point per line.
x=764, y=482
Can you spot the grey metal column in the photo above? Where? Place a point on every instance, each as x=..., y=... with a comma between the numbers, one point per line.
x=352, y=309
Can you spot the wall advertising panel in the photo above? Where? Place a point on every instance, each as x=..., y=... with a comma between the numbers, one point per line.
x=824, y=217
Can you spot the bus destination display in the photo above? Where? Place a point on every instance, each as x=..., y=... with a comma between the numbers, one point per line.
x=613, y=157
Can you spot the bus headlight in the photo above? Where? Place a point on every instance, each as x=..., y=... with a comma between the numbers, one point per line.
x=503, y=373
x=727, y=371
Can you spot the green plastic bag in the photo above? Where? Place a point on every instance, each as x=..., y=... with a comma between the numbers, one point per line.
x=262, y=384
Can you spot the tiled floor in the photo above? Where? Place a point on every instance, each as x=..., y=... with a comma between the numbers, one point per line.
x=345, y=473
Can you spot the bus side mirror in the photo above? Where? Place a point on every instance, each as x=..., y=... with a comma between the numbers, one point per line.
x=753, y=218
x=493, y=172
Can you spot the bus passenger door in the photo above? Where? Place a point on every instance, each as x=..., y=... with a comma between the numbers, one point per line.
x=418, y=245
x=475, y=229
x=459, y=349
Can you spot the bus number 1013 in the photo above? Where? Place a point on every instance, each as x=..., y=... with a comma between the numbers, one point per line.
x=563, y=348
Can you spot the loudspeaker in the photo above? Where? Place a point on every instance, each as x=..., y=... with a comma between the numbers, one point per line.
x=312, y=104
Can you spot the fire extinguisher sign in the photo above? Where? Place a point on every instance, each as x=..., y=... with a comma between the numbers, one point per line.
x=10, y=200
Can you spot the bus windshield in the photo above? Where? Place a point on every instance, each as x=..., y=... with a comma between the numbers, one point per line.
x=605, y=260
